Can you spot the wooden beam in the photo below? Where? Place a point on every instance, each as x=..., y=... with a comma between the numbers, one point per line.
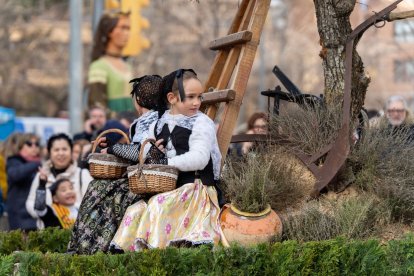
x=242, y=72
x=249, y=138
x=219, y=96
x=225, y=76
x=231, y=40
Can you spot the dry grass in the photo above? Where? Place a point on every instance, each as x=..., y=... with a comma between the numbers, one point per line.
x=272, y=177
x=247, y=182
x=384, y=165
x=361, y=216
x=308, y=129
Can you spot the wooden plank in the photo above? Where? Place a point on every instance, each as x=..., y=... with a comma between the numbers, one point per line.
x=247, y=17
x=231, y=40
x=215, y=78
x=249, y=138
x=219, y=96
x=225, y=77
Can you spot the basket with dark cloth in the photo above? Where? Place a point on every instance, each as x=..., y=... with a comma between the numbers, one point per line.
x=151, y=178
x=107, y=166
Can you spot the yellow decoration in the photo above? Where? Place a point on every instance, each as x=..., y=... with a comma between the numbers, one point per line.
x=136, y=42
x=112, y=5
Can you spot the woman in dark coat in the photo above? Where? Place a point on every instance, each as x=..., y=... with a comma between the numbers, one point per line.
x=21, y=168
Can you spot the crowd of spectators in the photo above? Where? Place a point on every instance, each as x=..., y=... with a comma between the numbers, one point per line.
x=24, y=169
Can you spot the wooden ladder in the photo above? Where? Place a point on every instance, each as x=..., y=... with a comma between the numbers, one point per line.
x=234, y=61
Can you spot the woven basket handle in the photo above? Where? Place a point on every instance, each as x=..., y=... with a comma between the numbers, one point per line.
x=95, y=143
x=141, y=150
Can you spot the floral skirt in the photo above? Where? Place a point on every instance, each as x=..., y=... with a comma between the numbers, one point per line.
x=100, y=214
x=183, y=217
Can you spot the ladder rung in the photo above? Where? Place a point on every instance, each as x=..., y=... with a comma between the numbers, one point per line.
x=231, y=40
x=219, y=96
x=249, y=138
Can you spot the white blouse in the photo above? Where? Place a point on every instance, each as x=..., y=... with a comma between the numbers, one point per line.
x=202, y=142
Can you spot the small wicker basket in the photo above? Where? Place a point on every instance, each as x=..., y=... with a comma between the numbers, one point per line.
x=107, y=166
x=151, y=178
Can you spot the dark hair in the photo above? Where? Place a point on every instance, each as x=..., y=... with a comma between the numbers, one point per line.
x=106, y=25
x=146, y=90
x=187, y=74
x=59, y=136
x=372, y=113
x=170, y=84
x=54, y=187
x=254, y=117
x=25, y=138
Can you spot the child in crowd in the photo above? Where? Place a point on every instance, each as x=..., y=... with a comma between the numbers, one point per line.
x=187, y=215
x=63, y=211
x=60, y=165
x=106, y=200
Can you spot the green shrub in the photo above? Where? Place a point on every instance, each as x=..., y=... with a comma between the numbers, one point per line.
x=47, y=240
x=11, y=241
x=6, y=264
x=400, y=255
x=331, y=257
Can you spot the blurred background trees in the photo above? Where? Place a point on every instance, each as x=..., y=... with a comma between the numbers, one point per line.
x=34, y=38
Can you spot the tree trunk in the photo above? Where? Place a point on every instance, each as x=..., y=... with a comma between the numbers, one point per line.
x=334, y=27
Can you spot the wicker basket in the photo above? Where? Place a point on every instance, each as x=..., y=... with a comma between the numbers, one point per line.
x=151, y=178
x=107, y=166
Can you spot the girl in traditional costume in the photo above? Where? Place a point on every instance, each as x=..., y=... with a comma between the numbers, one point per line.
x=106, y=200
x=189, y=214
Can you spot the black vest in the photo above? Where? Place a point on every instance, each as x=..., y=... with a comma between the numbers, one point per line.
x=179, y=138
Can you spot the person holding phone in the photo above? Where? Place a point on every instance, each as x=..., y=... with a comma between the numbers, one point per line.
x=97, y=119
x=59, y=165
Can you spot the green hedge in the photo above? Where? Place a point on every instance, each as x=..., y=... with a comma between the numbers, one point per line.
x=332, y=257
x=48, y=240
x=326, y=258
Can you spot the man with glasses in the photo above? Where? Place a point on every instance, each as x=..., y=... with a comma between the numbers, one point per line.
x=396, y=111
x=400, y=121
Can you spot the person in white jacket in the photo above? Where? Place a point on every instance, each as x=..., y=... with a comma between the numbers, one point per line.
x=59, y=165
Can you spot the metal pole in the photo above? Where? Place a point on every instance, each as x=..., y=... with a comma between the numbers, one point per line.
x=75, y=67
x=262, y=73
x=98, y=7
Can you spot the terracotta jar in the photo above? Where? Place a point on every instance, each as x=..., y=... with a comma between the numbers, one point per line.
x=249, y=228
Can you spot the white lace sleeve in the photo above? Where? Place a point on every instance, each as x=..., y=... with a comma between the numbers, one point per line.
x=201, y=143
x=151, y=135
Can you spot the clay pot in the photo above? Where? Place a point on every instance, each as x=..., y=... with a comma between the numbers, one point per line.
x=249, y=228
